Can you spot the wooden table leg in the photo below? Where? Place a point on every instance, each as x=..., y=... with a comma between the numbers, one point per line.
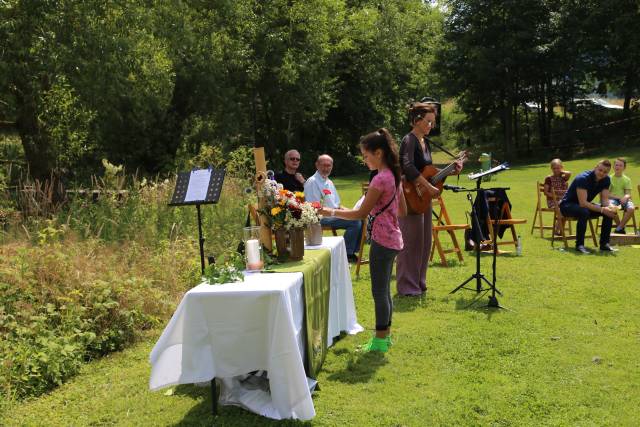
x=214, y=397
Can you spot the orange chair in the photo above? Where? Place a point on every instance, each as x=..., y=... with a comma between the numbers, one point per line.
x=363, y=237
x=333, y=230
x=505, y=220
x=563, y=220
x=538, y=222
x=442, y=222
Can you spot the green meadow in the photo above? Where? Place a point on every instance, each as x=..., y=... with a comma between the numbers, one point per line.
x=564, y=352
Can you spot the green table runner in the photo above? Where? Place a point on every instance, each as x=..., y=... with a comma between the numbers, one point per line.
x=316, y=270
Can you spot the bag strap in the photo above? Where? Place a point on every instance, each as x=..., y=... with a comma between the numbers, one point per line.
x=387, y=205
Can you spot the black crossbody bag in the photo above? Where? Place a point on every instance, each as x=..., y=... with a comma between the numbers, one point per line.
x=371, y=218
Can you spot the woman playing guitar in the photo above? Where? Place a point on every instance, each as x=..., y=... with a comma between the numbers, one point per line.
x=415, y=155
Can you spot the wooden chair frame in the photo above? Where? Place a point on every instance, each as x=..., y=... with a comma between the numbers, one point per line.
x=538, y=222
x=563, y=220
x=442, y=222
x=333, y=230
x=505, y=220
x=618, y=218
x=363, y=237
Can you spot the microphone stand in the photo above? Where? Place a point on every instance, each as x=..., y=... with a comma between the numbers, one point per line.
x=478, y=276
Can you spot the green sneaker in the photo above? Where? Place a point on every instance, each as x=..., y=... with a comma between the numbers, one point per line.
x=389, y=342
x=376, y=344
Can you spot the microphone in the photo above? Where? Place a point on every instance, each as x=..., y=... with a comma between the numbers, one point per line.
x=453, y=188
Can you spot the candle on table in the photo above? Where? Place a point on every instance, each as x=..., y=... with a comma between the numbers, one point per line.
x=252, y=249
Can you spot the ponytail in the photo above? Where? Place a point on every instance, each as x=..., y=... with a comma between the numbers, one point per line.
x=382, y=139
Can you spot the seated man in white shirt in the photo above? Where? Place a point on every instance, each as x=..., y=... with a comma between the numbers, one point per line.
x=313, y=192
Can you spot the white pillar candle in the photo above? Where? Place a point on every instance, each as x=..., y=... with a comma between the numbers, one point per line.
x=252, y=249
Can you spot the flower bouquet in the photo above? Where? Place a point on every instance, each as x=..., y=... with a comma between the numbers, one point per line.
x=287, y=213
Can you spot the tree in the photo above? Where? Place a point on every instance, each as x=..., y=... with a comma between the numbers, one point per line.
x=387, y=63
x=620, y=41
x=498, y=55
x=145, y=83
x=86, y=80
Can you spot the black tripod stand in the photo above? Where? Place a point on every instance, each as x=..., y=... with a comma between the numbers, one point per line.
x=477, y=237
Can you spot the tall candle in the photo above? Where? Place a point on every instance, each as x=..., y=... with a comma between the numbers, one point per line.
x=252, y=249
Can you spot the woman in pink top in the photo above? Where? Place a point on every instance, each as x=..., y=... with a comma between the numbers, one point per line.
x=382, y=204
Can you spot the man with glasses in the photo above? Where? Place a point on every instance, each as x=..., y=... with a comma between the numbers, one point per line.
x=290, y=178
x=319, y=187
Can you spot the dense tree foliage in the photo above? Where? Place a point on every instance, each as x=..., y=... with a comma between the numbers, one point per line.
x=146, y=82
x=497, y=56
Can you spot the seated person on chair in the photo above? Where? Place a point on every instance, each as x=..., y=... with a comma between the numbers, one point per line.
x=577, y=203
x=620, y=193
x=314, y=191
x=290, y=178
x=556, y=182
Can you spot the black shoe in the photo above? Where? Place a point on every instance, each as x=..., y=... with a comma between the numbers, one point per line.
x=582, y=249
x=607, y=248
x=619, y=231
x=352, y=258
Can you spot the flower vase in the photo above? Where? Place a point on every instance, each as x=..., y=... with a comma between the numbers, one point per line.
x=281, y=242
x=314, y=234
x=296, y=236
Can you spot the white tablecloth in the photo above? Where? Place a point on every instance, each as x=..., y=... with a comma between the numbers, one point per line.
x=228, y=330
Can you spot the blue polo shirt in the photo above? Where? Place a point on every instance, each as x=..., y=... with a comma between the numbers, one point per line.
x=587, y=181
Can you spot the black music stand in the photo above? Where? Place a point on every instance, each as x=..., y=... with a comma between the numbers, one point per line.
x=478, y=276
x=200, y=187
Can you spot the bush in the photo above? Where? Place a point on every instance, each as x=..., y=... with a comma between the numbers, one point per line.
x=95, y=276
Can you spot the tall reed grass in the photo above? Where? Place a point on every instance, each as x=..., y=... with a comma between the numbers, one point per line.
x=88, y=278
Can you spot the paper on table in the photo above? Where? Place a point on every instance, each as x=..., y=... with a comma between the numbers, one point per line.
x=358, y=203
x=198, y=185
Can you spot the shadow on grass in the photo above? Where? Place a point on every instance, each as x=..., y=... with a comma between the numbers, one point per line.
x=479, y=303
x=360, y=368
x=576, y=254
x=200, y=414
x=403, y=304
x=451, y=263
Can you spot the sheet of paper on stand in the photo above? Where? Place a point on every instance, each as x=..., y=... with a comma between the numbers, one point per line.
x=198, y=185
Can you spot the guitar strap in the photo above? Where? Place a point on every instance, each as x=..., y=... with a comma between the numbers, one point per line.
x=441, y=148
x=428, y=141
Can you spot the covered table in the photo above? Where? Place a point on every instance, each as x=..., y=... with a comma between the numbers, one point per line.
x=229, y=330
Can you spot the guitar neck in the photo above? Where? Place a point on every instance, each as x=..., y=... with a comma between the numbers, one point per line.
x=443, y=173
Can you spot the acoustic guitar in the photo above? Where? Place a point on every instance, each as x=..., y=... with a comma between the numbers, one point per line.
x=420, y=201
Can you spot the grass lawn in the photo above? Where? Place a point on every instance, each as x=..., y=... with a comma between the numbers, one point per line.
x=566, y=353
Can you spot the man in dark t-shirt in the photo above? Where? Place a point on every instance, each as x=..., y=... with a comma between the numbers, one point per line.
x=290, y=178
x=577, y=203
